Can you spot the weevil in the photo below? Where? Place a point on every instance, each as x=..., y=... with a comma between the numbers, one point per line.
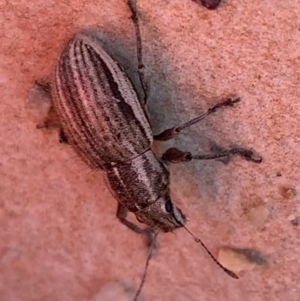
x=100, y=114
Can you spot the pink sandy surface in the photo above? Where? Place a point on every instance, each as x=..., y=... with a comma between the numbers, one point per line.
x=59, y=238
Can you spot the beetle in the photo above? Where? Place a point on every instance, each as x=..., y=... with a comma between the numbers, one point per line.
x=101, y=116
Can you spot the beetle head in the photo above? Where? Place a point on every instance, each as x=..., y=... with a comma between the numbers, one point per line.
x=162, y=214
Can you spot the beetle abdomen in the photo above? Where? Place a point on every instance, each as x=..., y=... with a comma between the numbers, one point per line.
x=97, y=105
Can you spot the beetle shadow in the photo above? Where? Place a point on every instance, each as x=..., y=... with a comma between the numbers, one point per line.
x=172, y=103
x=166, y=106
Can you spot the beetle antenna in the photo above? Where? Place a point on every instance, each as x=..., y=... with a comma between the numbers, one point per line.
x=199, y=241
x=150, y=253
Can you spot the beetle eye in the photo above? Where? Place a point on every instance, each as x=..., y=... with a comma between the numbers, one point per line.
x=139, y=219
x=168, y=206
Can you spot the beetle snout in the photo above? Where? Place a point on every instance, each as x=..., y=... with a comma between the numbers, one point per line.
x=162, y=215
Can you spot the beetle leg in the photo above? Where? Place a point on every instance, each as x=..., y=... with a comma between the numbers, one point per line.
x=122, y=214
x=62, y=137
x=175, y=155
x=44, y=85
x=174, y=131
x=52, y=122
x=141, y=66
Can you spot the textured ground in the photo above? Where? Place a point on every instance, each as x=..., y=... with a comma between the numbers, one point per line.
x=59, y=238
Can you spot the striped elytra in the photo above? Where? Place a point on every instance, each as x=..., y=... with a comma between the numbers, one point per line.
x=103, y=120
x=98, y=107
